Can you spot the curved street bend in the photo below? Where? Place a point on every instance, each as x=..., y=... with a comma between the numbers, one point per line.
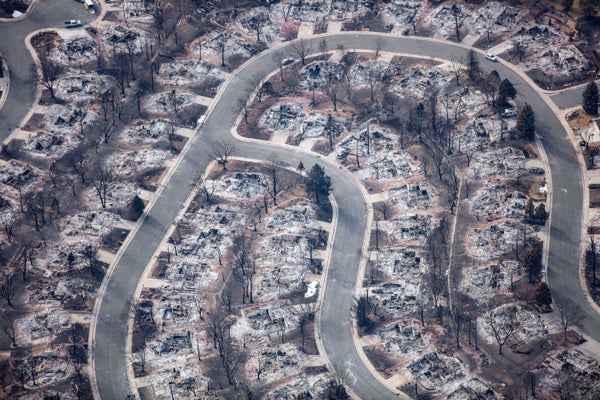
x=111, y=328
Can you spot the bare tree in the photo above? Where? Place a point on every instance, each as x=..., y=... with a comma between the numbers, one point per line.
x=275, y=186
x=207, y=190
x=35, y=203
x=437, y=285
x=21, y=371
x=217, y=327
x=374, y=79
x=79, y=162
x=332, y=92
x=257, y=22
x=456, y=14
x=120, y=71
x=227, y=295
x=307, y=311
x=378, y=46
x=438, y=160
x=130, y=45
x=221, y=152
x=570, y=314
x=8, y=221
x=10, y=329
x=503, y=325
x=300, y=49
x=107, y=113
x=47, y=75
x=7, y=288
x=90, y=251
x=103, y=180
x=243, y=264
x=141, y=357
x=323, y=48
x=231, y=360
x=457, y=68
x=260, y=366
x=32, y=364
x=165, y=18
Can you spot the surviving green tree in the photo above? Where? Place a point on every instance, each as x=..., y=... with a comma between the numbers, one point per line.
x=533, y=261
x=318, y=183
x=542, y=294
x=526, y=122
x=591, y=98
x=506, y=91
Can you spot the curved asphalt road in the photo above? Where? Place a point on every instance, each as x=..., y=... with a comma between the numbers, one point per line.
x=45, y=14
x=111, y=328
x=570, y=97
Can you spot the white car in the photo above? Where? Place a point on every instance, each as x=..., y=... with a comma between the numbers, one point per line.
x=509, y=112
x=72, y=23
x=491, y=57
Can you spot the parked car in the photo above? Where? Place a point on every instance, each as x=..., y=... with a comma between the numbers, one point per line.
x=491, y=57
x=72, y=23
x=287, y=61
x=509, y=112
x=536, y=171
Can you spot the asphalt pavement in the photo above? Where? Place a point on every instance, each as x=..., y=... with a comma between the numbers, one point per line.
x=21, y=95
x=571, y=97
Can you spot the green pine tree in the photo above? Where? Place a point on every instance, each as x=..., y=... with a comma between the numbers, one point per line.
x=533, y=261
x=529, y=209
x=591, y=98
x=542, y=294
x=318, y=183
x=541, y=215
x=526, y=122
x=506, y=91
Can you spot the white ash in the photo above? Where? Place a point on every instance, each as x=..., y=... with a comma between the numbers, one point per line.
x=91, y=223
x=402, y=14
x=406, y=340
x=169, y=101
x=128, y=163
x=147, y=132
x=495, y=201
x=40, y=327
x=483, y=283
x=186, y=70
x=86, y=87
x=412, y=196
x=436, y=370
x=504, y=163
x=494, y=240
